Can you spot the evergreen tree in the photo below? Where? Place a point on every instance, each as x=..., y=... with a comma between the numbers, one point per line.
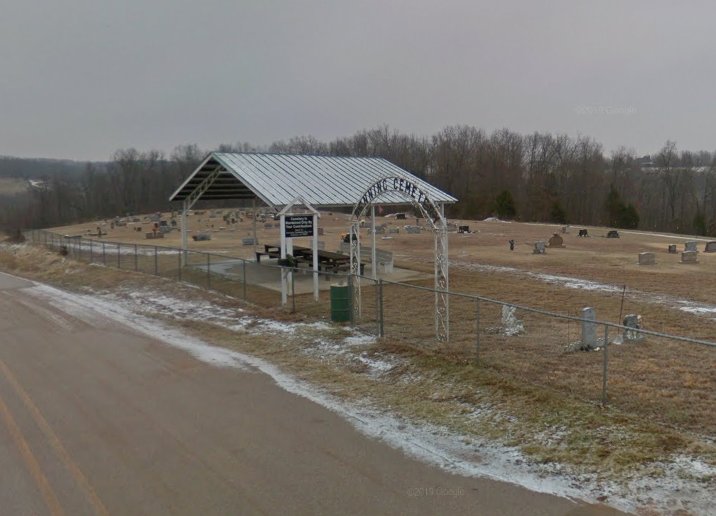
x=505, y=205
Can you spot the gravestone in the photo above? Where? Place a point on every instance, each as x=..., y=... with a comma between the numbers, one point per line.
x=412, y=229
x=632, y=323
x=268, y=225
x=589, y=329
x=511, y=325
x=556, y=241
x=647, y=259
x=463, y=229
x=613, y=234
x=690, y=246
x=539, y=248
x=565, y=230
x=583, y=233
x=393, y=231
x=248, y=241
x=201, y=237
x=672, y=249
x=321, y=231
x=710, y=247
x=689, y=257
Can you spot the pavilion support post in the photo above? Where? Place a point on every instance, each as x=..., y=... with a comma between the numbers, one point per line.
x=284, y=277
x=289, y=270
x=315, y=257
x=373, y=252
x=253, y=205
x=184, y=232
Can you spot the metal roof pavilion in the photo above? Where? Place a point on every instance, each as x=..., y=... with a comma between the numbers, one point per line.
x=278, y=179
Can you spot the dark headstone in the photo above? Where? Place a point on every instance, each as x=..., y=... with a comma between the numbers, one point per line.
x=556, y=241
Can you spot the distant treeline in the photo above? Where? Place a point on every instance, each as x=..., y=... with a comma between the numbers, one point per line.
x=34, y=168
x=537, y=177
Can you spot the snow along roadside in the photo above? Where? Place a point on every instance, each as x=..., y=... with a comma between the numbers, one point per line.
x=428, y=443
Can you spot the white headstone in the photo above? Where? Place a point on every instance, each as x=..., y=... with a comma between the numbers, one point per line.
x=511, y=325
x=632, y=323
x=589, y=329
x=539, y=248
x=647, y=259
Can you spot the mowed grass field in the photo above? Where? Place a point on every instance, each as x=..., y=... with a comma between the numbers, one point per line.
x=12, y=185
x=664, y=379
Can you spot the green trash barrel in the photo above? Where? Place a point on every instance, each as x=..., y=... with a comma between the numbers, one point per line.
x=340, y=303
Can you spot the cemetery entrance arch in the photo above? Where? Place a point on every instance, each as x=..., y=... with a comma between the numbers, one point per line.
x=434, y=214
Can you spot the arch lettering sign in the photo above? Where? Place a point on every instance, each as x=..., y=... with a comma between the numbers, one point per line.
x=404, y=186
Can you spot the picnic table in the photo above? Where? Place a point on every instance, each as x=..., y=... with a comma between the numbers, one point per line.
x=327, y=260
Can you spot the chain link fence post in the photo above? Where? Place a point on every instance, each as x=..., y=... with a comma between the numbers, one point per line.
x=104, y=255
x=381, y=314
x=350, y=302
x=208, y=270
x=477, y=331
x=156, y=262
x=243, y=273
x=293, y=291
x=136, y=259
x=605, y=365
x=179, y=255
x=119, y=256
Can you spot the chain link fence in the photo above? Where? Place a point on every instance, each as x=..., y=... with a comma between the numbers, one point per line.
x=519, y=343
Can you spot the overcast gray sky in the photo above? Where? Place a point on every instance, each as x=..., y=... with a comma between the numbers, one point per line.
x=82, y=78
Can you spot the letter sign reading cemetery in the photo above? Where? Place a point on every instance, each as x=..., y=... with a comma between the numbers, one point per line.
x=299, y=226
x=398, y=184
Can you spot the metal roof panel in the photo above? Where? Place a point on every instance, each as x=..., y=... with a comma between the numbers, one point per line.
x=322, y=181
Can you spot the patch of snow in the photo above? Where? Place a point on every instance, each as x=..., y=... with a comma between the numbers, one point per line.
x=699, y=310
x=95, y=247
x=359, y=340
x=377, y=366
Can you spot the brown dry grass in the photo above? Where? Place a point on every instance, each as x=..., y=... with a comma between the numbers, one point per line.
x=671, y=382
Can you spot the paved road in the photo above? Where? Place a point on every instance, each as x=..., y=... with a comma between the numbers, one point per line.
x=97, y=419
